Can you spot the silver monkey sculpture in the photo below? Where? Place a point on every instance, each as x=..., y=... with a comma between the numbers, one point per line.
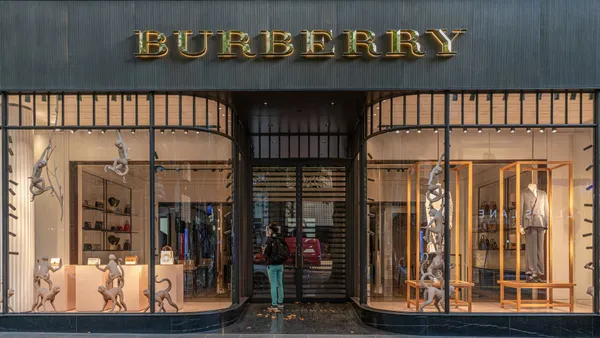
x=120, y=165
x=434, y=233
x=37, y=185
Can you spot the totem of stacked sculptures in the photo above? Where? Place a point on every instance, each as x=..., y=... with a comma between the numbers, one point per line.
x=432, y=263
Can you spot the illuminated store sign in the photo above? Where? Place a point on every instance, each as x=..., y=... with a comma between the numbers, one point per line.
x=315, y=43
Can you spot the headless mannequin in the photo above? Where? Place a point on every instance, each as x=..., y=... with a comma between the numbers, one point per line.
x=534, y=190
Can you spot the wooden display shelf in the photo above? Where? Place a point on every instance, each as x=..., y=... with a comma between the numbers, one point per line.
x=459, y=286
x=548, y=167
x=538, y=303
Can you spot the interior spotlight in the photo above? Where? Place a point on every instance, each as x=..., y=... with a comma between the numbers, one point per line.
x=435, y=130
x=497, y=130
x=397, y=131
x=103, y=131
x=185, y=131
x=419, y=130
x=162, y=131
x=512, y=130
x=479, y=130
x=408, y=131
x=89, y=131
x=265, y=103
x=464, y=130
x=133, y=131
x=528, y=130
x=73, y=131
x=172, y=131
x=553, y=130
x=542, y=130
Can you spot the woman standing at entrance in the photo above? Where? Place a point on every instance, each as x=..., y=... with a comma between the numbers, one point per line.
x=276, y=253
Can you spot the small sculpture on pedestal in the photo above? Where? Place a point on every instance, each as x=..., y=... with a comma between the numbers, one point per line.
x=43, y=295
x=113, y=269
x=161, y=296
x=42, y=271
x=114, y=294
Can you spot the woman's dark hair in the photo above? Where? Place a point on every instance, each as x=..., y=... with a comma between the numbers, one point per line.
x=274, y=227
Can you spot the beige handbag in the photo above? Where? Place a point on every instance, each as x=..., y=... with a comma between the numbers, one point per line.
x=166, y=255
x=131, y=260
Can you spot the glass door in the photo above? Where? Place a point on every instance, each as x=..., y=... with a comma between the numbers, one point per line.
x=323, y=232
x=274, y=200
x=309, y=204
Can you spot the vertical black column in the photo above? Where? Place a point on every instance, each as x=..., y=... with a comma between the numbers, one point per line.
x=152, y=261
x=596, y=205
x=363, y=223
x=299, y=231
x=5, y=221
x=235, y=233
x=446, y=198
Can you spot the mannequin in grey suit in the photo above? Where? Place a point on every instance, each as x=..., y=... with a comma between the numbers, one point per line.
x=534, y=223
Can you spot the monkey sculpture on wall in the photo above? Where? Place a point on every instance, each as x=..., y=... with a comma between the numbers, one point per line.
x=120, y=165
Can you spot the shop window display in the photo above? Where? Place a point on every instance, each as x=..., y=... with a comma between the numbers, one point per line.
x=80, y=212
x=519, y=204
x=194, y=186
x=78, y=215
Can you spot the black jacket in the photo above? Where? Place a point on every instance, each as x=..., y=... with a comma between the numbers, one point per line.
x=269, y=248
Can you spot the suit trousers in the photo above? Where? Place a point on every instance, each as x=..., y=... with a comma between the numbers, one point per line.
x=534, y=250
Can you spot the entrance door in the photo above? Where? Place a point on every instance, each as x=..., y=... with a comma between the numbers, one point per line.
x=309, y=205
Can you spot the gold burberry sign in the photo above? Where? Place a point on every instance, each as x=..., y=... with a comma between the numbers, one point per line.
x=315, y=43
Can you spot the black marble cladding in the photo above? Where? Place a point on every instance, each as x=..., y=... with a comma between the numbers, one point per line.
x=482, y=325
x=122, y=323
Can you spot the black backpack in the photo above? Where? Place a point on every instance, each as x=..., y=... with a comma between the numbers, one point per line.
x=280, y=253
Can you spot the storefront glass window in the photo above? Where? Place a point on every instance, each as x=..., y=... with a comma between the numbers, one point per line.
x=78, y=224
x=523, y=210
x=519, y=206
x=398, y=167
x=194, y=227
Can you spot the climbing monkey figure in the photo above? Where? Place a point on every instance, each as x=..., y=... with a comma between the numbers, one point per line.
x=38, y=185
x=43, y=295
x=434, y=189
x=436, y=226
x=120, y=165
x=115, y=294
x=161, y=296
x=42, y=271
x=113, y=269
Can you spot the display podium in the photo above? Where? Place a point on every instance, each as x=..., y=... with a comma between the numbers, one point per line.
x=548, y=167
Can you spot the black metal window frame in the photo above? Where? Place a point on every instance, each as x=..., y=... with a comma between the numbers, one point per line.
x=236, y=134
x=365, y=130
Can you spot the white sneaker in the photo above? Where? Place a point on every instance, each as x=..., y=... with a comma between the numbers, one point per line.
x=280, y=306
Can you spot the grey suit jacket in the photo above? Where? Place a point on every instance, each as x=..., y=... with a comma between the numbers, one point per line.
x=534, y=210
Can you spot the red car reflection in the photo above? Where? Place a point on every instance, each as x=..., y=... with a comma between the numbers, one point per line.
x=311, y=252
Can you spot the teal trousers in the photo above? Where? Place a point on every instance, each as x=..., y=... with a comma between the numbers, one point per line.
x=276, y=279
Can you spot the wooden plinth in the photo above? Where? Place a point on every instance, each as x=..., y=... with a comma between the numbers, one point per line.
x=459, y=286
x=541, y=303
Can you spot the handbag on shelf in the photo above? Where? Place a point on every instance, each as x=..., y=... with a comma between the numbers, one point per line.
x=131, y=260
x=166, y=255
x=484, y=243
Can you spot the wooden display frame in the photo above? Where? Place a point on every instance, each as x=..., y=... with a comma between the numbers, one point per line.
x=550, y=285
x=459, y=285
